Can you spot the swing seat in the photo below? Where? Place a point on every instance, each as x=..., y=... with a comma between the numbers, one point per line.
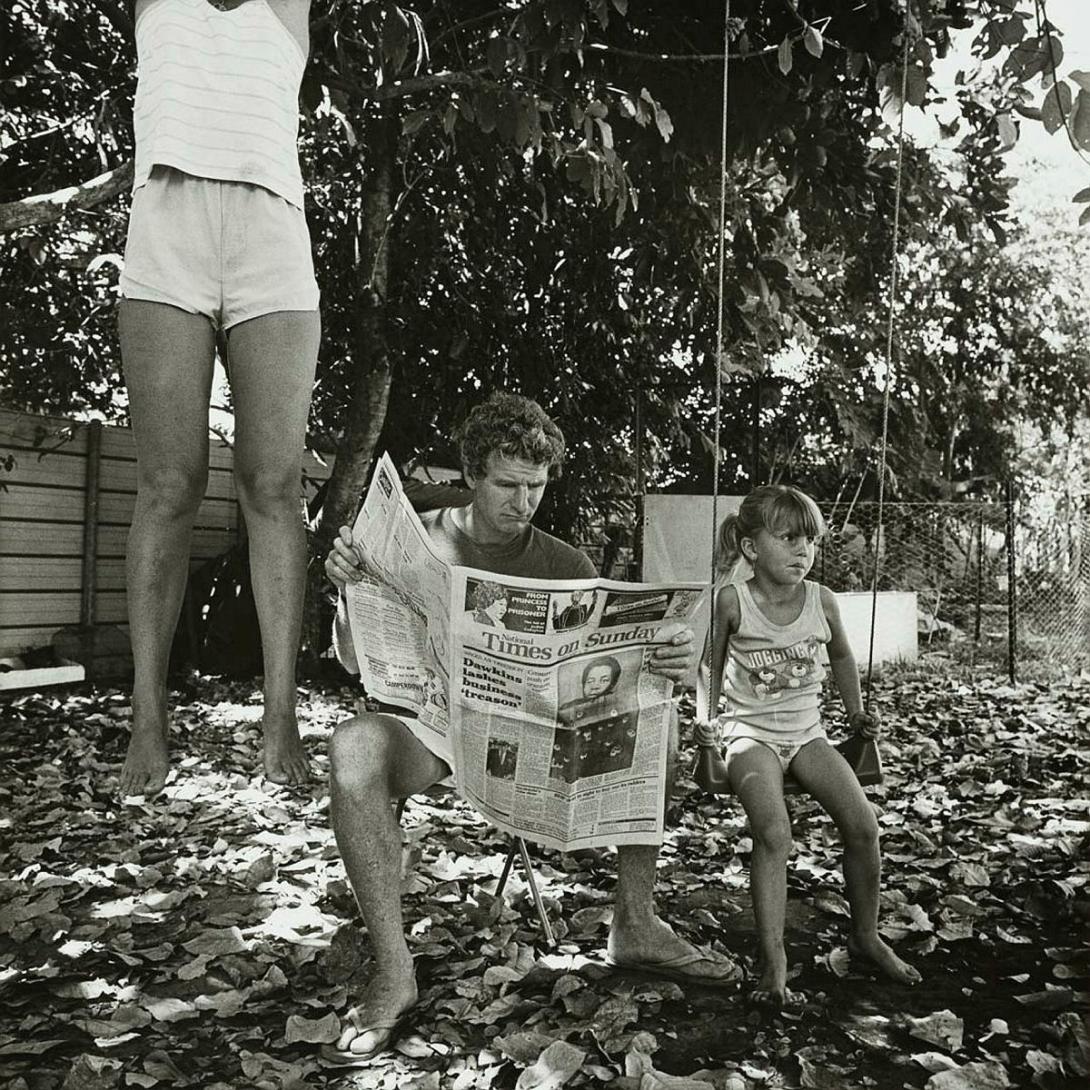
x=861, y=753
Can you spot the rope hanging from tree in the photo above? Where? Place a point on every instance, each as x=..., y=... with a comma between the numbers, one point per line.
x=891, y=304
x=718, y=370
x=861, y=753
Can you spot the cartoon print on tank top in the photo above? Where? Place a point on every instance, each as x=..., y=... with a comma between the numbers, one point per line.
x=773, y=672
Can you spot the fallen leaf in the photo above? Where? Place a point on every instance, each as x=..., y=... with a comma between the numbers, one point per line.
x=553, y=1068
x=973, y=1076
x=941, y=1028
x=318, y=1031
x=613, y=1016
x=524, y=1048
x=168, y=1009
x=216, y=942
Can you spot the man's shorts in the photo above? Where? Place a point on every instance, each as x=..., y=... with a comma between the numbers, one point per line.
x=228, y=250
x=416, y=729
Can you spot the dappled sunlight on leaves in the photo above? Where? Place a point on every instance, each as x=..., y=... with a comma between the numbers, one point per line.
x=209, y=937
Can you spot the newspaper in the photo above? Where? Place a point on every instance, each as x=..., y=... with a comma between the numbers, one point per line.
x=537, y=693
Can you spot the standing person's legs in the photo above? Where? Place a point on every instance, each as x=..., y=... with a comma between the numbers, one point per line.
x=638, y=938
x=373, y=759
x=167, y=356
x=272, y=363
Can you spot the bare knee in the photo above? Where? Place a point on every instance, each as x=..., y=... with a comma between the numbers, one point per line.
x=861, y=833
x=773, y=839
x=265, y=492
x=172, y=491
x=360, y=758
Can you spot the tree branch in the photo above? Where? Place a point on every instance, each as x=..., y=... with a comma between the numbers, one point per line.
x=718, y=58
x=404, y=87
x=50, y=207
x=476, y=20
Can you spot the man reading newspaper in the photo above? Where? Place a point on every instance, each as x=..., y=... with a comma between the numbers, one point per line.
x=510, y=450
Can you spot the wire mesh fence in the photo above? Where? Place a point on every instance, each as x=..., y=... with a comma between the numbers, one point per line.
x=1053, y=589
x=1001, y=586
x=977, y=600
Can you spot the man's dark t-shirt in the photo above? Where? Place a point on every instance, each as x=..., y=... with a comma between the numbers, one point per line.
x=536, y=555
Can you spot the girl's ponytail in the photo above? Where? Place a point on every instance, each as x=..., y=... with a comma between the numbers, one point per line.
x=728, y=547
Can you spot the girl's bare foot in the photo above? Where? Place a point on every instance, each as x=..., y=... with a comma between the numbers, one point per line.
x=771, y=989
x=874, y=950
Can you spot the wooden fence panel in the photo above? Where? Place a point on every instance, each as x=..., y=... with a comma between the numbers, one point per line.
x=28, y=609
x=43, y=473
x=66, y=539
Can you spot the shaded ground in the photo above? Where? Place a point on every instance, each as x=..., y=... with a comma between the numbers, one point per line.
x=207, y=940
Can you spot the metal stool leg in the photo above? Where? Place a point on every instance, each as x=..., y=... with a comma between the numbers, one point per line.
x=518, y=847
x=506, y=872
x=531, y=879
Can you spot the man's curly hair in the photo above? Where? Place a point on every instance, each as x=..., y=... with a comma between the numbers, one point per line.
x=514, y=426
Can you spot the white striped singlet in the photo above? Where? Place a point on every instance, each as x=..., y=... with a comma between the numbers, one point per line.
x=218, y=94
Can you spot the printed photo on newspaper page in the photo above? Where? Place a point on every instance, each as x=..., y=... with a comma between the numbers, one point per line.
x=562, y=730
x=399, y=615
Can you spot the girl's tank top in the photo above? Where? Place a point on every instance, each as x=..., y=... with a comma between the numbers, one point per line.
x=773, y=673
x=218, y=94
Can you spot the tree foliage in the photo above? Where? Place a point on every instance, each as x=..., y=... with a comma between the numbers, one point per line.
x=528, y=195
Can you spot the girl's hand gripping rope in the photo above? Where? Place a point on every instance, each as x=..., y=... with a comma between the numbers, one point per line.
x=705, y=733
x=865, y=723
x=709, y=769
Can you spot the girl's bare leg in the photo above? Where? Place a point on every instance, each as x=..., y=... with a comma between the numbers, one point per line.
x=757, y=779
x=167, y=356
x=272, y=362
x=827, y=776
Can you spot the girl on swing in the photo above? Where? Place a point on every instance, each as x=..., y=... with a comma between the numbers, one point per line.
x=768, y=633
x=217, y=249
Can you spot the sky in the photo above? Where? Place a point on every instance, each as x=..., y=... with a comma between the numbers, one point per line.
x=1048, y=169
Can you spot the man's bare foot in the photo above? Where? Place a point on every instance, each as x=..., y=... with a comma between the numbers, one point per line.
x=147, y=761
x=285, y=756
x=653, y=946
x=874, y=950
x=373, y=1021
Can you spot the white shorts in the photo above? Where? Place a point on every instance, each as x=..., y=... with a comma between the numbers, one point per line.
x=231, y=251
x=785, y=746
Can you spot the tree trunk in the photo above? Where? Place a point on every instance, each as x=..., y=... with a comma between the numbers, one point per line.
x=372, y=372
x=371, y=381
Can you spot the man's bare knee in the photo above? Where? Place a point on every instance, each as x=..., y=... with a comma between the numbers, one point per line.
x=378, y=754
x=360, y=756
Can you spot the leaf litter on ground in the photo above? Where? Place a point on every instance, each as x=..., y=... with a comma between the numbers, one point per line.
x=209, y=938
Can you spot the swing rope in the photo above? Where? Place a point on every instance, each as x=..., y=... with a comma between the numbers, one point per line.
x=891, y=306
x=718, y=370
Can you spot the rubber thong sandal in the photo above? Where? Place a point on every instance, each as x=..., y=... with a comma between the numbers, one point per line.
x=680, y=968
x=332, y=1056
